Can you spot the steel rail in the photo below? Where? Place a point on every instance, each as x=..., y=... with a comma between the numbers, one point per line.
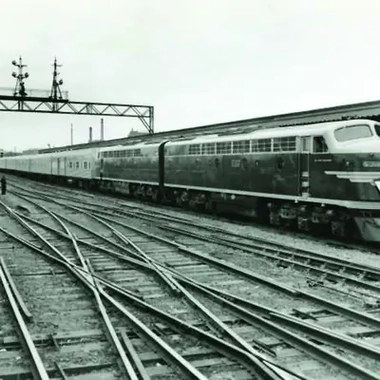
x=354, y=344
x=110, y=330
x=220, y=345
x=373, y=271
x=112, y=335
x=143, y=374
x=280, y=249
x=302, y=343
x=220, y=326
x=352, y=314
x=167, y=280
x=188, y=370
x=327, y=273
x=175, y=285
x=252, y=360
x=38, y=369
x=219, y=263
x=334, y=307
x=23, y=308
x=171, y=355
x=327, y=260
x=312, y=329
x=297, y=321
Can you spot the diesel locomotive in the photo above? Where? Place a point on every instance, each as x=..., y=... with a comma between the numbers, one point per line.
x=319, y=176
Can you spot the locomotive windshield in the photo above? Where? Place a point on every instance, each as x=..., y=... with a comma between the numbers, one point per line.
x=377, y=129
x=353, y=132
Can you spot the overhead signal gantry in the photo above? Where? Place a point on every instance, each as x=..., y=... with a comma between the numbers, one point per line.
x=57, y=102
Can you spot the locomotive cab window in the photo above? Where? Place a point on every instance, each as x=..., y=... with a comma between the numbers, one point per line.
x=377, y=129
x=353, y=132
x=319, y=145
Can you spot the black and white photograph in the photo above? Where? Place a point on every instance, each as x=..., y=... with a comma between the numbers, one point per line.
x=190, y=190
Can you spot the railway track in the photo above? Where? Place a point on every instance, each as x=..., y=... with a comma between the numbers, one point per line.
x=328, y=323
x=59, y=318
x=208, y=360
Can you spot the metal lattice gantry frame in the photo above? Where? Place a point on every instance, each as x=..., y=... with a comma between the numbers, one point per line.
x=63, y=106
x=57, y=101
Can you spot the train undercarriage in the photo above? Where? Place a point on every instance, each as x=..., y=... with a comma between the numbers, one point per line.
x=326, y=220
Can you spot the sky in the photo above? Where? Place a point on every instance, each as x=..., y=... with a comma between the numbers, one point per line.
x=197, y=62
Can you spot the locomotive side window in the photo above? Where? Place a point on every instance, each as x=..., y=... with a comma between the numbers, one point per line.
x=223, y=148
x=352, y=132
x=241, y=146
x=319, y=145
x=208, y=148
x=377, y=129
x=284, y=144
x=262, y=145
x=194, y=149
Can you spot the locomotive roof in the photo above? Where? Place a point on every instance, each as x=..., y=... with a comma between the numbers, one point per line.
x=298, y=130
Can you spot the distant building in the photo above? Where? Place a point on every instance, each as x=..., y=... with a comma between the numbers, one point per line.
x=135, y=133
x=31, y=151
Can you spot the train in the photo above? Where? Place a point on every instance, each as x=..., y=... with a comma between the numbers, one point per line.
x=322, y=176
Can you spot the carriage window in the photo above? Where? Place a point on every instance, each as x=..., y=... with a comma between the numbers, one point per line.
x=85, y=165
x=284, y=144
x=223, y=148
x=352, y=132
x=137, y=152
x=208, y=148
x=241, y=146
x=77, y=165
x=194, y=149
x=70, y=164
x=262, y=145
x=320, y=145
